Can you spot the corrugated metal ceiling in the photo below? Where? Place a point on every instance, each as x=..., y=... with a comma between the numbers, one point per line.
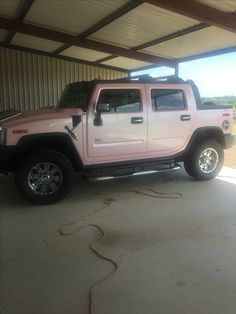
x=71, y=16
x=85, y=54
x=204, y=40
x=10, y=8
x=121, y=23
x=126, y=63
x=142, y=24
x=34, y=42
x=223, y=5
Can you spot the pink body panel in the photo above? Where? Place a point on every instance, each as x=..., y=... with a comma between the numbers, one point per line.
x=117, y=139
x=162, y=133
x=167, y=134
x=39, y=122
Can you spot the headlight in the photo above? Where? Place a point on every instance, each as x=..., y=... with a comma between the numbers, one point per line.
x=2, y=135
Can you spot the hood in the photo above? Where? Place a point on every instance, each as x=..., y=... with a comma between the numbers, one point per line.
x=8, y=114
x=40, y=115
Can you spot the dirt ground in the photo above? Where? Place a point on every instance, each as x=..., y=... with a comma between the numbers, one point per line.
x=230, y=157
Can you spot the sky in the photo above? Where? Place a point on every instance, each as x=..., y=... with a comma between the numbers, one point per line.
x=214, y=76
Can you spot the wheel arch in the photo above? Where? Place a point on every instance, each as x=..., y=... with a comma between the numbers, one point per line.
x=203, y=134
x=60, y=142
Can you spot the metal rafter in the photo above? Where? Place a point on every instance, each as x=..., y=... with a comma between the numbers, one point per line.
x=199, y=11
x=132, y=4
x=193, y=57
x=207, y=54
x=105, y=59
x=23, y=11
x=49, y=34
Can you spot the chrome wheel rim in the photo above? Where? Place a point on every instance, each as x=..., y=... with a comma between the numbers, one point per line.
x=45, y=178
x=208, y=160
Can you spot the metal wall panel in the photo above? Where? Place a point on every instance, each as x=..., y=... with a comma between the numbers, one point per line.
x=29, y=81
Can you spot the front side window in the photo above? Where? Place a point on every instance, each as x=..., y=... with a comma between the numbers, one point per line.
x=167, y=99
x=120, y=100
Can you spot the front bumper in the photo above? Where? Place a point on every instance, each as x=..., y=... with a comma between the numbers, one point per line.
x=230, y=140
x=7, y=158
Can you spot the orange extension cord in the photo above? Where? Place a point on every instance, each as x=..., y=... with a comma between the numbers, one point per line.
x=107, y=202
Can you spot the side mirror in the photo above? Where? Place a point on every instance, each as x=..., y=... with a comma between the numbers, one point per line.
x=103, y=107
x=97, y=120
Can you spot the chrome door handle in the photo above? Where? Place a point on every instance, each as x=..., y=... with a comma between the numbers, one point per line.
x=185, y=117
x=136, y=120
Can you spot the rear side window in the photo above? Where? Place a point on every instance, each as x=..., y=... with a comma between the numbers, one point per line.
x=121, y=100
x=167, y=99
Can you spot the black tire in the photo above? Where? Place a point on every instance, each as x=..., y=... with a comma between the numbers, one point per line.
x=188, y=168
x=205, y=160
x=44, y=177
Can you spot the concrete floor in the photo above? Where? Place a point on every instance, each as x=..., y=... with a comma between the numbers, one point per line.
x=174, y=255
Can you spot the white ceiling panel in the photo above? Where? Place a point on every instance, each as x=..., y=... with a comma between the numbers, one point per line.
x=126, y=63
x=143, y=24
x=84, y=54
x=208, y=39
x=10, y=8
x=222, y=5
x=35, y=43
x=71, y=16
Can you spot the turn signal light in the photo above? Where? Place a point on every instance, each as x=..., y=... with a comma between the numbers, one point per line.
x=19, y=131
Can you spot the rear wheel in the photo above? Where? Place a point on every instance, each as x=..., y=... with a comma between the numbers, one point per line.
x=44, y=177
x=205, y=161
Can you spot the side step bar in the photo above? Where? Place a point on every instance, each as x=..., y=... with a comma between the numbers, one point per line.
x=124, y=172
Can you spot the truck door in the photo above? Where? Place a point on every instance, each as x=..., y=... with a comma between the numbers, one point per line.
x=117, y=124
x=170, y=119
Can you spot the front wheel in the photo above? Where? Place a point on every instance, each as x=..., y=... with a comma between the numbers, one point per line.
x=44, y=177
x=205, y=161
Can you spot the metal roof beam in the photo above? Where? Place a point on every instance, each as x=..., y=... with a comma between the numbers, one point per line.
x=132, y=4
x=207, y=54
x=105, y=59
x=199, y=11
x=23, y=11
x=49, y=34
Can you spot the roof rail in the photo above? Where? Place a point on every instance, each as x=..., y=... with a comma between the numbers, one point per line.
x=150, y=79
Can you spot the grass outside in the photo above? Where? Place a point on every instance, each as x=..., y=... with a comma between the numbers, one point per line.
x=234, y=127
x=230, y=154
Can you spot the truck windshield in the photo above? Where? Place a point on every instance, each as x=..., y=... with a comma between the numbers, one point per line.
x=76, y=95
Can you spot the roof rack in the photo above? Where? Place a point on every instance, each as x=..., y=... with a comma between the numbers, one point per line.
x=147, y=78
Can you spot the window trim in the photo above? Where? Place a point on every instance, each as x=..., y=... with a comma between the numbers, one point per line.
x=169, y=110
x=121, y=88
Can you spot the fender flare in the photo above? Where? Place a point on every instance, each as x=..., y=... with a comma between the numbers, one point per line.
x=212, y=132
x=61, y=142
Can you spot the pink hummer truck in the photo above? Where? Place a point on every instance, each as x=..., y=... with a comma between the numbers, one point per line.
x=110, y=128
